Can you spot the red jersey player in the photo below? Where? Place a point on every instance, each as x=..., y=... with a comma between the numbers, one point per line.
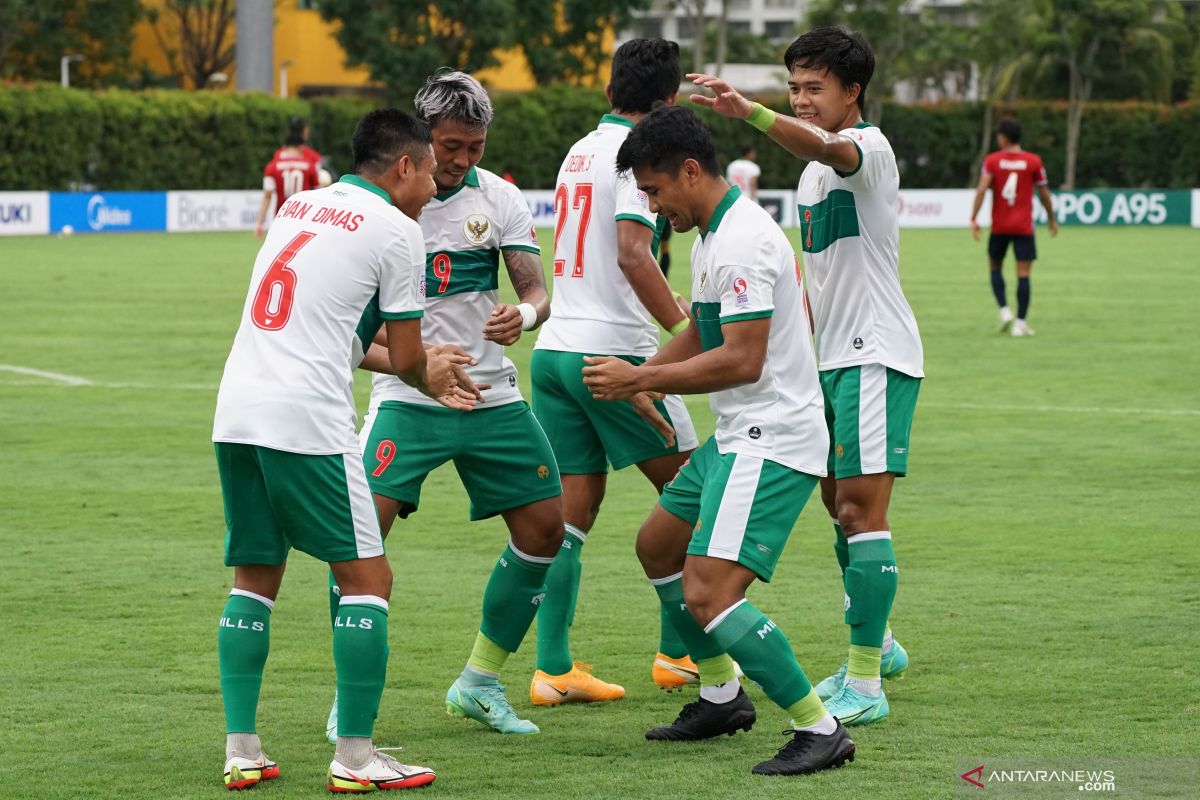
x=1012, y=174
x=295, y=167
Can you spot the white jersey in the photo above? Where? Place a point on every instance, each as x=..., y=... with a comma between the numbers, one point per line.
x=741, y=173
x=594, y=309
x=744, y=268
x=465, y=229
x=851, y=235
x=329, y=252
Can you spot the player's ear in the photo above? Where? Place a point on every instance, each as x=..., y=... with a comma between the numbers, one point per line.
x=853, y=92
x=672, y=98
x=404, y=167
x=608, y=93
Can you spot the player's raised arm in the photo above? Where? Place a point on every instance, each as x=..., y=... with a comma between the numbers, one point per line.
x=799, y=137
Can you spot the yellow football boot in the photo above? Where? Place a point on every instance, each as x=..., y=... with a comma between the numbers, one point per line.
x=577, y=686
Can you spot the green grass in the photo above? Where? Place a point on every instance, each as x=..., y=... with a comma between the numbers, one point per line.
x=1049, y=592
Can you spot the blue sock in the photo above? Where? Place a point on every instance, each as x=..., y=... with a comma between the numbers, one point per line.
x=1022, y=297
x=998, y=288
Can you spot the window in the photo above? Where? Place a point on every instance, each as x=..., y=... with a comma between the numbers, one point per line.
x=780, y=29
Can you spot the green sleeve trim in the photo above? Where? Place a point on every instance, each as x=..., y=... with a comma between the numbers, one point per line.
x=402, y=314
x=854, y=171
x=748, y=315
x=528, y=248
x=634, y=218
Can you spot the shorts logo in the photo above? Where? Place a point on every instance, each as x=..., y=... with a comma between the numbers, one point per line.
x=699, y=524
x=739, y=289
x=543, y=471
x=476, y=228
x=858, y=343
x=755, y=432
x=537, y=599
x=839, y=450
x=762, y=548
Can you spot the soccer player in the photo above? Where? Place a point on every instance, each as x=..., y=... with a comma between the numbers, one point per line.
x=1012, y=173
x=608, y=292
x=287, y=453
x=295, y=167
x=868, y=348
x=499, y=449
x=724, y=520
x=743, y=173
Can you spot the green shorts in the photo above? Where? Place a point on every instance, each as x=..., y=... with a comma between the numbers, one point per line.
x=869, y=410
x=501, y=454
x=275, y=500
x=743, y=507
x=587, y=434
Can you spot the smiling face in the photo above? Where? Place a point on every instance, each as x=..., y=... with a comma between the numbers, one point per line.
x=457, y=149
x=671, y=196
x=415, y=185
x=819, y=98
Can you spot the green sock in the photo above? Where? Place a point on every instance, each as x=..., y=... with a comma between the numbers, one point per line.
x=243, y=641
x=360, y=652
x=807, y=711
x=557, y=610
x=763, y=652
x=510, y=601
x=871, y=581
x=335, y=599
x=715, y=671
x=699, y=644
x=863, y=663
x=670, y=643
x=487, y=657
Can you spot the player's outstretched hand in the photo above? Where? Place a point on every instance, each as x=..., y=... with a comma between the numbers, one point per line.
x=609, y=378
x=727, y=101
x=643, y=404
x=505, y=325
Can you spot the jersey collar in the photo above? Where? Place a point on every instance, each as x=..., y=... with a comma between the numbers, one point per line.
x=471, y=179
x=363, y=183
x=614, y=119
x=719, y=213
x=865, y=124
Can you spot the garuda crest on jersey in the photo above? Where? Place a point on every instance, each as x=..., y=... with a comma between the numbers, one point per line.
x=477, y=228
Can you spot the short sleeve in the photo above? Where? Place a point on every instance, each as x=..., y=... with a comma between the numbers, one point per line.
x=1039, y=174
x=754, y=169
x=268, y=184
x=631, y=202
x=402, y=275
x=517, y=231
x=876, y=166
x=747, y=288
x=988, y=167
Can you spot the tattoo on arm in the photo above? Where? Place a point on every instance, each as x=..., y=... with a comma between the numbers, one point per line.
x=525, y=271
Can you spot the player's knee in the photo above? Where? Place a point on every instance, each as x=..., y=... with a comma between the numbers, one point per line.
x=703, y=601
x=852, y=516
x=653, y=552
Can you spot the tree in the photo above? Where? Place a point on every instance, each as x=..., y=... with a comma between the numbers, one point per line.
x=35, y=34
x=402, y=42
x=697, y=23
x=565, y=41
x=204, y=31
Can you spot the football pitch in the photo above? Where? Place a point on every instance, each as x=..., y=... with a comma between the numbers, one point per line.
x=1050, y=575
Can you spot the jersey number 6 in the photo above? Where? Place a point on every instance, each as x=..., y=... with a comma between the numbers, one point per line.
x=582, y=203
x=273, y=301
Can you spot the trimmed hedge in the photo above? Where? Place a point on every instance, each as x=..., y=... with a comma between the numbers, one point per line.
x=55, y=138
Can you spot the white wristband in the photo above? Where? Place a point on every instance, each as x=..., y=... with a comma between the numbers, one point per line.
x=528, y=316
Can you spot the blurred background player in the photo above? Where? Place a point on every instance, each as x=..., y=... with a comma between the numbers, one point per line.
x=608, y=292
x=295, y=167
x=724, y=520
x=287, y=453
x=499, y=450
x=743, y=173
x=868, y=348
x=1012, y=173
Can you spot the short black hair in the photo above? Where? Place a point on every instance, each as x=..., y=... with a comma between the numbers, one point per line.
x=644, y=71
x=296, y=130
x=383, y=136
x=846, y=55
x=746, y=150
x=1010, y=129
x=665, y=138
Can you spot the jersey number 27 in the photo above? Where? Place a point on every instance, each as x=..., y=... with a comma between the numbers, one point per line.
x=582, y=203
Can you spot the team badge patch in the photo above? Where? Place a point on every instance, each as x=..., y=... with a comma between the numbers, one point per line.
x=543, y=471
x=477, y=228
x=740, y=289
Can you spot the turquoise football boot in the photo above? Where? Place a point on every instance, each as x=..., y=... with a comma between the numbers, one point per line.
x=854, y=708
x=486, y=704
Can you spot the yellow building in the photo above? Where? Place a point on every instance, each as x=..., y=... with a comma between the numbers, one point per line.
x=307, y=44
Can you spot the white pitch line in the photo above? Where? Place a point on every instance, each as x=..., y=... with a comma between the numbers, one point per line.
x=1164, y=412
x=69, y=380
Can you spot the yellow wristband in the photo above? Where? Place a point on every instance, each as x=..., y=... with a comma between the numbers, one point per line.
x=761, y=117
x=680, y=326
